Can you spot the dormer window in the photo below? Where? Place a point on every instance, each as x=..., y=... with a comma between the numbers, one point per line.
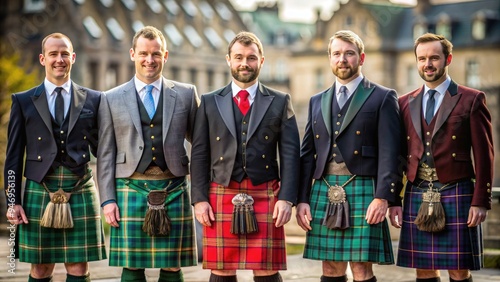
x=479, y=26
x=443, y=26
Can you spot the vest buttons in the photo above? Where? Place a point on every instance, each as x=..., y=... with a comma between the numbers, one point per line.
x=428, y=133
x=62, y=131
x=153, y=148
x=453, y=137
x=151, y=125
x=263, y=156
x=84, y=156
x=152, y=137
x=338, y=122
x=358, y=132
x=356, y=152
x=335, y=145
x=407, y=137
x=336, y=132
x=154, y=158
x=39, y=157
x=217, y=138
x=39, y=138
x=266, y=137
x=317, y=136
x=428, y=153
x=221, y=158
x=453, y=155
x=85, y=137
x=267, y=167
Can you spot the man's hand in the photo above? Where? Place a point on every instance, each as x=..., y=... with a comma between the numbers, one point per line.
x=396, y=216
x=376, y=211
x=204, y=213
x=282, y=212
x=16, y=215
x=476, y=216
x=112, y=214
x=303, y=216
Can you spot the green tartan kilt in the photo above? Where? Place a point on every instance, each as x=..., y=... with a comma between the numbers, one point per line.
x=84, y=242
x=131, y=247
x=361, y=242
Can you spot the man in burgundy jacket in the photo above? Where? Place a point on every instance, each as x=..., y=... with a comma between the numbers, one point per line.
x=444, y=122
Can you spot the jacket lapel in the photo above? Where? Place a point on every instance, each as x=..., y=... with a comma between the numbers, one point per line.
x=130, y=101
x=450, y=100
x=78, y=97
x=224, y=102
x=362, y=93
x=169, y=97
x=260, y=105
x=40, y=101
x=415, y=104
x=326, y=108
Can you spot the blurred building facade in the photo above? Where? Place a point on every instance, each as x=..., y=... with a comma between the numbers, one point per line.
x=197, y=34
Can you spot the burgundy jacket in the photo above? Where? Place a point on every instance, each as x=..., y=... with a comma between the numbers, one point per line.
x=462, y=144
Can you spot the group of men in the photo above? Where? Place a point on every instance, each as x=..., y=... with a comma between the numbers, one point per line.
x=248, y=168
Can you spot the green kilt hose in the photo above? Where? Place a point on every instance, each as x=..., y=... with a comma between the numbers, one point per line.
x=262, y=250
x=361, y=242
x=131, y=247
x=456, y=247
x=81, y=243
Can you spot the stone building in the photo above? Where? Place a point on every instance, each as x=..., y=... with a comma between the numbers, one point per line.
x=197, y=33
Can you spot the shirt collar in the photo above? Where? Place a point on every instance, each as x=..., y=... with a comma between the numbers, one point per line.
x=50, y=87
x=139, y=85
x=351, y=86
x=442, y=88
x=252, y=90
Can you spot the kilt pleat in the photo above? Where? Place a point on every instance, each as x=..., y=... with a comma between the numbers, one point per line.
x=84, y=242
x=456, y=247
x=133, y=248
x=263, y=250
x=361, y=242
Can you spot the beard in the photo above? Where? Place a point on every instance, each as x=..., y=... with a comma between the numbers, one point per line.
x=345, y=74
x=245, y=78
x=438, y=74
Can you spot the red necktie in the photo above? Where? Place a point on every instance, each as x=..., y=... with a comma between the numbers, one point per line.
x=243, y=102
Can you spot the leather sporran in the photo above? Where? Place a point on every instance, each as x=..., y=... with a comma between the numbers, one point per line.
x=337, y=210
x=57, y=213
x=431, y=216
x=156, y=221
x=243, y=220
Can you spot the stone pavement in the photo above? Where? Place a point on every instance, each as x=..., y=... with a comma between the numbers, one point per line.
x=299, y=269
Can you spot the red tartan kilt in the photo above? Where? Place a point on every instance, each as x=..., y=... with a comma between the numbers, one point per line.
x=264, y=250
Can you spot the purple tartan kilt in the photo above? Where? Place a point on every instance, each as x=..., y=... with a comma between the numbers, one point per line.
x=456, y=247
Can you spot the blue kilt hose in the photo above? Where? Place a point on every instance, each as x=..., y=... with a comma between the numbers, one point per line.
x=361, y=242
x=82, y=243
x=456, y=247
x=131, y=247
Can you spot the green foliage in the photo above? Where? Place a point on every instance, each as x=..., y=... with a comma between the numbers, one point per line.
x=13, y=78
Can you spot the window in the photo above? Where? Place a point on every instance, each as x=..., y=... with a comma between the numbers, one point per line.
x=174, y=73
x=213, y=37
x=173, y=34
x=479, y=27
x=171, y=6
x=229, y=35
x=320, y=78
x=115, y=29
x=111, y=76
x=206, y=10
x=410, y=75
x=193, y=36
x=190, y=8
x=155, y=6
x=94, y=77
x=281, y=70
x=31, y=6
x=443, y=26
x=137, y=25
x=473, y=78
x=92, y=27
x=210, y=79
x=223, y=11
x=193, y=75
x=107, y=3
x=129, y=4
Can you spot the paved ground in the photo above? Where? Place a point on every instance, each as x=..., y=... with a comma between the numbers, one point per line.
x=299, y=269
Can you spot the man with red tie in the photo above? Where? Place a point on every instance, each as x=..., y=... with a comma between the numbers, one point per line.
x=244, y=169
x=449, y=189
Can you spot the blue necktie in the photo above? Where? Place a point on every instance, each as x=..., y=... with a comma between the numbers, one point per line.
x=429, y=109
x=343, y=96
x=149, y=102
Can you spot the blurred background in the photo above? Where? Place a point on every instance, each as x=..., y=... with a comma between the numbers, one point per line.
x=294, y=33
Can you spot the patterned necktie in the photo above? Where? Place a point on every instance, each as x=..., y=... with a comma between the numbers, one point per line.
x=343, y=96
x=149, y=102
x=244, y=103
x=429, y=109
x=59, y=106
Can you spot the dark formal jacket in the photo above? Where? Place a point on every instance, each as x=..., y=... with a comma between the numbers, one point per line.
x=122, y=141
x=462, y=126
x=272, y=142
x=31, y=138
x=368, y=138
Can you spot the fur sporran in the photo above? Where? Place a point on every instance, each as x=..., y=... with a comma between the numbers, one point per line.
x=57, y=213
x=156, y=221
x=243, y=220
x=431, y=216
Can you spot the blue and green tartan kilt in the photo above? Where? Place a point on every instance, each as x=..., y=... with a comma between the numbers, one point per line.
x=133, y=248
x=456, y=247
x=84, y=242
x=361, y=242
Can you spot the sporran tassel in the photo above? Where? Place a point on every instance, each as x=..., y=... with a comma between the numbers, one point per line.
x=57, y=213
x=156, y=221
x=243, y=220
x=431, y=216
